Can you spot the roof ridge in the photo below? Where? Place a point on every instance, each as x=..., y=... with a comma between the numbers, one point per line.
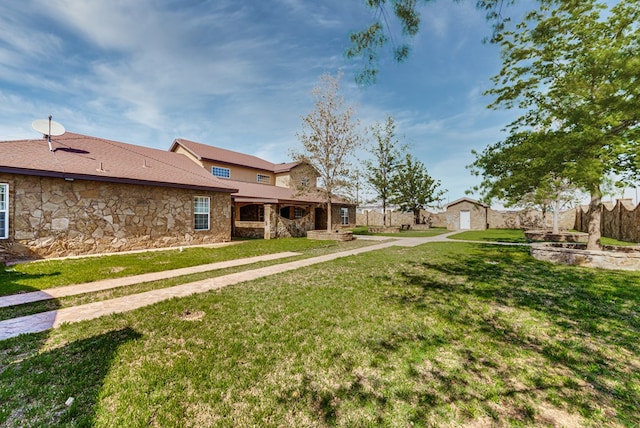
x=273, y=167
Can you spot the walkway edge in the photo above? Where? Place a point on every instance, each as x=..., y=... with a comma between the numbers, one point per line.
x=107, y=284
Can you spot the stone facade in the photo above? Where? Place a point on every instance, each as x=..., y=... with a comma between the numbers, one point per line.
x=54, y=217
x=299, y=227
x=275, y=225
x=394, y=218
x=478, y=215
x=523, y=219
x=336, y=220
x=530, y=219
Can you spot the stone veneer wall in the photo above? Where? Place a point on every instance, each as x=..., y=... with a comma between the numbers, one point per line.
x=276, y=226
x=295, y=228
x=522, y=219
x=336, y=220
x=394, y=218
x=52, y=217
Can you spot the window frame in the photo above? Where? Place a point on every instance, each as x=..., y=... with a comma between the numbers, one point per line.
x=344, y=216
x=263, y=178
x=199, y=212
x=299, y=212
x=220, y=169
x=4, y=209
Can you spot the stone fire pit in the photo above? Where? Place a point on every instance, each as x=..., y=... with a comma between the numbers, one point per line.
x=610, y=257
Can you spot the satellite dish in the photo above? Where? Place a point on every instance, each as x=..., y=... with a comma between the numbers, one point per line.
x=48, y=127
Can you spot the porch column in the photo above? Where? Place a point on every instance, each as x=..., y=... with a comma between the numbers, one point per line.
x=270, y=221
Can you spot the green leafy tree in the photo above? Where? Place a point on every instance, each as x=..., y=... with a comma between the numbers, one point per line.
x=329, y=138
x=572, y=67
x=413, y=187
x=379, y=173
x=516, y=172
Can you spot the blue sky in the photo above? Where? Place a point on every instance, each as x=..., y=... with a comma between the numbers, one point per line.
x=239, y=75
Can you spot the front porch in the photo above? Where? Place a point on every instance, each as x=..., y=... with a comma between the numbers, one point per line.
x=286, y=219
x=273, y=220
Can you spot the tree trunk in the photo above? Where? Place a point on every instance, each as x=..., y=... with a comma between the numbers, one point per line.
x=556, y=213
x=329, y=209
x=595, y=214
x=384, y=213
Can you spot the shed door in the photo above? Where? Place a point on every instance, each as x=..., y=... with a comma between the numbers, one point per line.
x=465, y=220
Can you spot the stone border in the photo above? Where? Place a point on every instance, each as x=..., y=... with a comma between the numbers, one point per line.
x=384, y=229
x=323, y=235
x=611, y=257
x=547, y=235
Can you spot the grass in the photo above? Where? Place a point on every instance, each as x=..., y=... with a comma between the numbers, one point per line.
x=434, y=231
x=516, y=236
x=445, y=334
x=611, y=241
x=56, y=273
x=495, y=235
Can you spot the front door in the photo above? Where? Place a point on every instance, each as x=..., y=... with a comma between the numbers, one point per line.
x=465, y=220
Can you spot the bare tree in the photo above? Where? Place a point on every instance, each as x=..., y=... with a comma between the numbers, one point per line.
x=329, y=138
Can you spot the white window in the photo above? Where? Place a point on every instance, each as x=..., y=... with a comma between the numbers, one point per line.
x=219, y=171
x=265, y=179
x=4, y=211
x=201, y=213
x=344, y=216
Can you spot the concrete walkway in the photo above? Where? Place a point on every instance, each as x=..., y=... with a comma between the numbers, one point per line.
x=107, y=284
x=52, y=319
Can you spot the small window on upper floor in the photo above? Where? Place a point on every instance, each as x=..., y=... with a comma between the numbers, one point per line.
x=304, y=181
x=264, y=179
x=221, y=172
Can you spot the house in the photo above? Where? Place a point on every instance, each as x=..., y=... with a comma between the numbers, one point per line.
x=272, y=200
x=465, y=214
x=93, y=195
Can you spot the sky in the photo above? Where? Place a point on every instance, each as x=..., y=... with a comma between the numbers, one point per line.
x=239, y=75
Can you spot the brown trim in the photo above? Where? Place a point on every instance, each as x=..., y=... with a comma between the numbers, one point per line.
x=177, y=143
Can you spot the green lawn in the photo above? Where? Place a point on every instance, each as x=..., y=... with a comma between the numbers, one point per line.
x=54, y=273
x=495, y=235
x=434, y=231
x=515, y=236
x=445, y=334
x=611, y=241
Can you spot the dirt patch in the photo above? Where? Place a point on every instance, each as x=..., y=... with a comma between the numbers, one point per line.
x=192, y=316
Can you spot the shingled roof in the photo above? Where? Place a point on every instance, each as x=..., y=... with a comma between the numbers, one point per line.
x=216, y=154
x=77, y=156
x=261, y=193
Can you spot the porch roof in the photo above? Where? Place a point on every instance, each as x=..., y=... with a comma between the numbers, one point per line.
x=269, y=194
